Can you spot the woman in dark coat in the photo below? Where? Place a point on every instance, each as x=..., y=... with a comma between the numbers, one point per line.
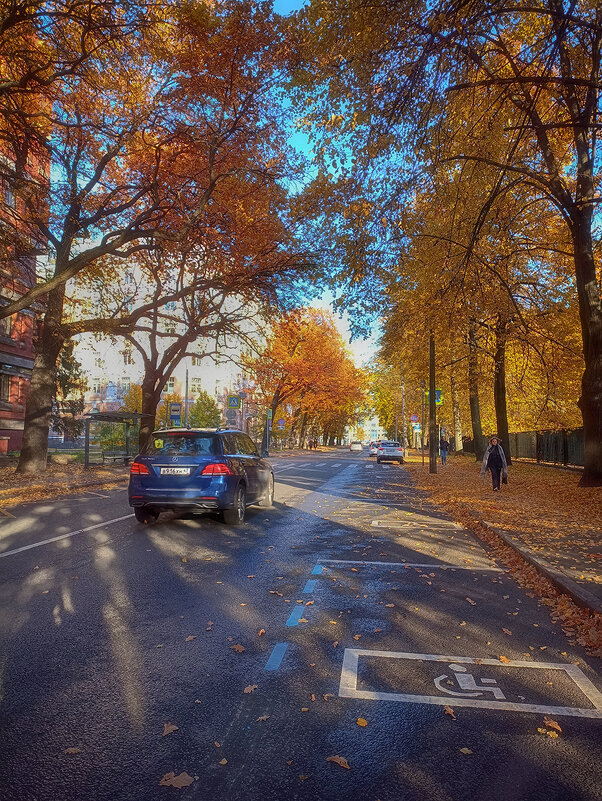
x=495, y=461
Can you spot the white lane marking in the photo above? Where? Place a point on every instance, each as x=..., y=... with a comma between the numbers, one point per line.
x=98, y=495
x=444, y=524
x=7, y=514
x=337, y=464
x=64, y=536
x=282, y=469
x=276, y=656
x=320, y=464
x=370, y=467
x=446, y=566
x=348, y=684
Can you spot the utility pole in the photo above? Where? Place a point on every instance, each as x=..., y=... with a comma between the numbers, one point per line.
x=396, y=407
x=422, y=385
x=432, y=409
x=404, y=422
x=186, y=401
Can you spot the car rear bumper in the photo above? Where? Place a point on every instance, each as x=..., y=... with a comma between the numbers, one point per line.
x=390, y=458
x=181, y=498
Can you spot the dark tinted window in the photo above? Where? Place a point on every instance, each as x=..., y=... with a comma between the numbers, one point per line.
x=245, y=445
x=192, y=444
x=230, y=445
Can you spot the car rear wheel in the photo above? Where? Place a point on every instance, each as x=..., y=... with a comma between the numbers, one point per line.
x=236, y=516
x=267, y=501
x=144, y=515
x=377, y=460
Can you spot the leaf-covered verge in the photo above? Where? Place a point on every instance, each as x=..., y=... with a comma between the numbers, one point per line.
x=60, y=479
x=544, y=509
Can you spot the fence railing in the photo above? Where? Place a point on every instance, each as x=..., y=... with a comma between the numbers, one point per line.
x=564, y=447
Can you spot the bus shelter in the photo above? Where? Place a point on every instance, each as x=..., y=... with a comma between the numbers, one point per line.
x=107, y=437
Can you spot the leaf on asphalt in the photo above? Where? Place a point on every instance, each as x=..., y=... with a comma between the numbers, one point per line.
x=223, y=761
x=463, y=623
x=551, y=724
x=313, y=696
x=275, y=592
x=302, y=777
x=184, y=559
x=478, y=661
x=357, y=636
x=326, y=696
x=190, y=638
x=465, y=751
x=304, y=709
x=72, y=750
x=261, y=632
x=250, y=688
x=355, y=570
x=339, y=760
x=362, y=722
x=449, y=711
x=333, y=622
x=171, y=780
x=389, y=606
x=377, y=630
x=238, y=648
x=507, y=631
x=504, y=659
x=242, y=604
x=552, y=734
x=471, y=602
x=250, y=576
x=335, y=643
x=309, y=603
x=262, y=718
x=168, y=728
x=216, y=744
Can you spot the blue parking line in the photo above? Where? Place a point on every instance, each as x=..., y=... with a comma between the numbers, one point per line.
x=295, y=615
x=317, y=571
x=310, y=586
x=276, y=656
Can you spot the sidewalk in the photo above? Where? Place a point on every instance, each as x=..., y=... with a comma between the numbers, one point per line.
x=542, y=525
x=59, y=479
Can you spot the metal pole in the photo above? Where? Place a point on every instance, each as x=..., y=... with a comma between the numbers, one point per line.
x=396, y=409
x=422, y=424
x=404, y=425
x=86, y=444
x=186, y=401
x=432, y=409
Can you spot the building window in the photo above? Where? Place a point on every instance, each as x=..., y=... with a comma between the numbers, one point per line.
x=126, y=384
x=196, y=361
x=99, y=362
x=4, y=387
x=170, y=386
x=8, y=196
x=171, y=306
x=96, y=386
x=128, y=357
x=196, y=386
x=6, y=326
x=129, y=277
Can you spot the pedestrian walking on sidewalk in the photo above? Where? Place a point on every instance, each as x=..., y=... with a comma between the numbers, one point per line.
x=495, y=461
x=443, y=449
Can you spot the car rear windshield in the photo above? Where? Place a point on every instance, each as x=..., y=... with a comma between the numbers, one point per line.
x=192, y=444
x=390, y=444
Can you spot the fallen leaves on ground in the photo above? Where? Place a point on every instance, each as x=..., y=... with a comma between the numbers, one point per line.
x=449, y=711
x=223, y=761
x=507, y=631
x=537, y=509
x=504, y=659
x=551, y=724
x=168, y=728
x=362, y=722
x=261, y=632
x=339, y=760
x=190, y=638
x=552, y=734
x=72, y=750
x=250, y=688
x=465, y=751
x=238, y=648
x=262, y=718
x=171, y=780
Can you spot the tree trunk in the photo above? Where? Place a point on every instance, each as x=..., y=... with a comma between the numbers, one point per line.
x=455, y=397
x=151, y=397
x=38, y=410
x=590, y=313
x=303, y=430
x=264, y=438
x=473, y=391
x=499, y=384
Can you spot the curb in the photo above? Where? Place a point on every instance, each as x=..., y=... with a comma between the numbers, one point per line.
x=559, y=579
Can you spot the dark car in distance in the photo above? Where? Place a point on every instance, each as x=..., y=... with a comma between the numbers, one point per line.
x=200, y=470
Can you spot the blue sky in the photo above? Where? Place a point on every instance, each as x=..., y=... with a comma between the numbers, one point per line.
x=286, y=6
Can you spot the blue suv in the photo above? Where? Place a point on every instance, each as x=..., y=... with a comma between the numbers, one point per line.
x=200, y=470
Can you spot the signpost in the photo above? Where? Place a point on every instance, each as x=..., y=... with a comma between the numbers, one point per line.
x=438, y=396
x=414, y=418
x=234, y=402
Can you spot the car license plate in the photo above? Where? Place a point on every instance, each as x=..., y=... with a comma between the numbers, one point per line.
x=175, y=471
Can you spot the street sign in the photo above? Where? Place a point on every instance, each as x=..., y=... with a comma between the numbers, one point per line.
x=414, y=418
x=270, y=414
x=234, y=401
x=416, y=426
x=281, y=421
x=438, y=396
x=175, y=414
x=231, y=414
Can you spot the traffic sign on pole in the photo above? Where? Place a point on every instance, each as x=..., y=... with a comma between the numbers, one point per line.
x=414, y=418
x=234, y=401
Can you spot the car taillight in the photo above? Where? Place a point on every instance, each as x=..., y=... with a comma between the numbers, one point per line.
x=139, y=469
x=217, y=469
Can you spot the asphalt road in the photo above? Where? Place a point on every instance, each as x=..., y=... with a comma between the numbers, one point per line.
x=353, y=600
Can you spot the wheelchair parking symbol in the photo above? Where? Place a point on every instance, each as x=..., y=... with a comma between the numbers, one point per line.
x=468, y=685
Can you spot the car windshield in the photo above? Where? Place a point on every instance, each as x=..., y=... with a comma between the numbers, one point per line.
x=192, y=444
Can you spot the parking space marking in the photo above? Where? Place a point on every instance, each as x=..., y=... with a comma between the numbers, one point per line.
x=276, y=656
x=444, y=524
x=446, y=566
x=369, y=466
x=317, y=571
x=310, y=586
x=64, y=536
x=348, y=684
x=337, y=464
x=98, y=495
x=295, y=616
